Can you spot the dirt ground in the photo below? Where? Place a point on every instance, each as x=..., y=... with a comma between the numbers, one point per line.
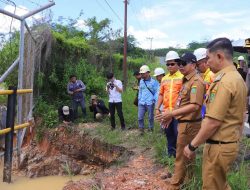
x=136, y=171
x=139, y=173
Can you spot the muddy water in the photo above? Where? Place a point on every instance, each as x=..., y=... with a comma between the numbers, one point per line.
x=42, y=183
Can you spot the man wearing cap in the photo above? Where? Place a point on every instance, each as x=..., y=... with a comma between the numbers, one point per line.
x=137, y=76
x=147, y=97
x=222, y=127
x=169, y=90
x=188, y=113
x=65, y=114
x=114, y=89
x=242, y=69
x=76, y=88
x=97, y=106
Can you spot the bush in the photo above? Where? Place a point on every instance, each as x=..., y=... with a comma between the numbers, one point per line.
x=48, y=114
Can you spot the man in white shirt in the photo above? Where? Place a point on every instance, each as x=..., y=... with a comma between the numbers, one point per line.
x=114, y=89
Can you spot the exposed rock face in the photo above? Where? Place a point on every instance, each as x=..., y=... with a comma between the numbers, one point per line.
x=68, y=150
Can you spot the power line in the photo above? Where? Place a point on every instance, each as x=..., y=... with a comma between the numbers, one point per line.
x=6, y=2
x=98, y=2
x=35, y=3
x=134, y=13
x=100, y=5
x=114, y=12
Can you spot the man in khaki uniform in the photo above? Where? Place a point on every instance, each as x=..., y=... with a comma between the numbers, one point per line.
x=188, y=113
x=222, y=126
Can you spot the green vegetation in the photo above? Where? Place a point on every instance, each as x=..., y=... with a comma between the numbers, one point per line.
x=67, y=169
x=90, y=55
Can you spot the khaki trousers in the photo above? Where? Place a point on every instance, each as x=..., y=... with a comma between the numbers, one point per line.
x=217, y=159
x=186, y=133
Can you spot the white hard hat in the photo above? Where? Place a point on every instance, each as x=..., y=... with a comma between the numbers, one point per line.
x=144, y=69
x=98, y=116
x=241, y=58
x=172, y=55
x=200, y=53
x=159, y=71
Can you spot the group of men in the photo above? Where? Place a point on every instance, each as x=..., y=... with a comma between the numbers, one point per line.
x=76, y=89
x=201, y=100
x=203, y=97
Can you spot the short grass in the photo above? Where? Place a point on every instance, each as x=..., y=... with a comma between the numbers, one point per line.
x=239, y=177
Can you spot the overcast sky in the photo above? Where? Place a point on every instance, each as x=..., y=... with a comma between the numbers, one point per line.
x=168, y=22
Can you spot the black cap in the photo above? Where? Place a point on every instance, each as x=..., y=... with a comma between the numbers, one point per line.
x=136, y=73
x=188, y=57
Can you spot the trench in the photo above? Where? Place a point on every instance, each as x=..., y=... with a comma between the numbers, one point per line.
x=65, y=153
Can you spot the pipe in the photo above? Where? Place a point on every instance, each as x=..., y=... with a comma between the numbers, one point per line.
x=9, y=70
x=37, y=10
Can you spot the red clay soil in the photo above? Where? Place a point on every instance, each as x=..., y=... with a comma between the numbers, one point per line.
x=139, y=174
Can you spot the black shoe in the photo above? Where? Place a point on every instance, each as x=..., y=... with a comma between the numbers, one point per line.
x=151, y=130
x=123, y=128
x=112, y=128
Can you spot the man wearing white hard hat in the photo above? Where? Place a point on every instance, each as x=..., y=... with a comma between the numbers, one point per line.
x=205, y=72
x=242, y=69
x=146, y=98
x=159, y=73
x=169, y=90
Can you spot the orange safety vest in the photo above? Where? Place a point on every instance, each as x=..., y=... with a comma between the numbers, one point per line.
x=170, y=88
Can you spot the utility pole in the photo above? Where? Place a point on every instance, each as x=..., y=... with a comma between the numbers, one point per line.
x=150, y=48
x=125, y=78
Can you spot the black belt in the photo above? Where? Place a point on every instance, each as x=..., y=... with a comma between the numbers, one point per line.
x=209, y=141
x=190, y=121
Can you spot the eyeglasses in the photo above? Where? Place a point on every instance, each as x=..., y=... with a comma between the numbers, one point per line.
x=183, y=63
x=170, y=64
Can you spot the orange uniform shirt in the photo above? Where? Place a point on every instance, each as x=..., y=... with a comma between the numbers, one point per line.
x=170, y=88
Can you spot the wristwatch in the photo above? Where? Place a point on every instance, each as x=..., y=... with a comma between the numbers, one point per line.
x=191, y=147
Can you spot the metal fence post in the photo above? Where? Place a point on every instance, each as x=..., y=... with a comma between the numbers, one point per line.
x=10, y=121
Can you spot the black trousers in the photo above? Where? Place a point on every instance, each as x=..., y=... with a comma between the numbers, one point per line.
x=118, y=107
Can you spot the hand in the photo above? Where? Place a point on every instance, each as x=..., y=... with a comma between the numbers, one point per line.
x=77, y=90
x=158, y=116
x=167, y=115
x=157, y=112
x=188, y=153
x=164, y=117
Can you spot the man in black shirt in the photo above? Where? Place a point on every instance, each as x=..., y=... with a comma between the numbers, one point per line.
x=65, y=114
x=98, y=107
